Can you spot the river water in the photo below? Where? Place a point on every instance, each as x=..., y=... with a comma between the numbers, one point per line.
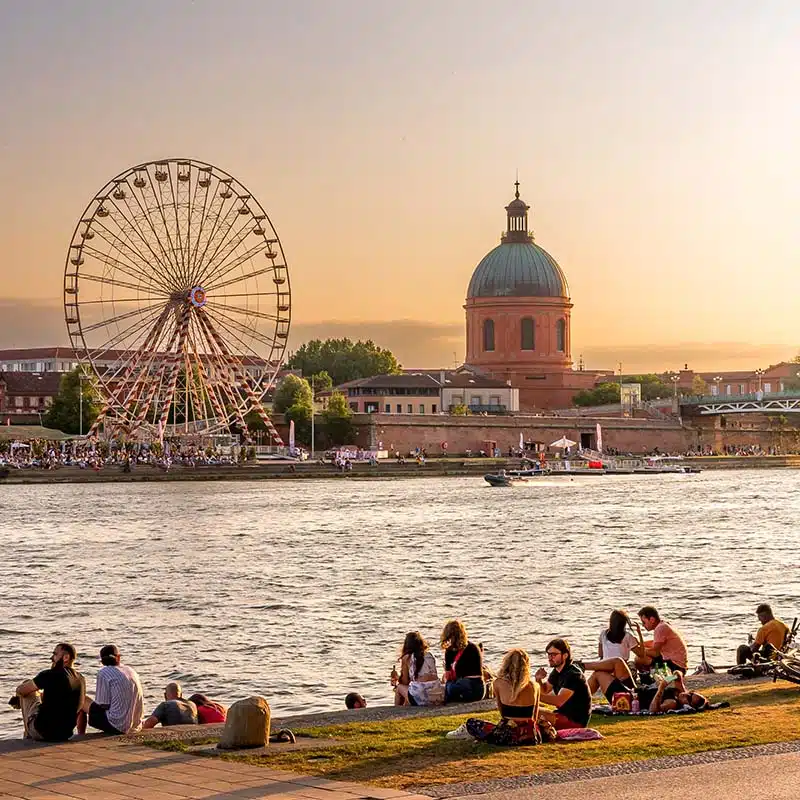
x=303, y=590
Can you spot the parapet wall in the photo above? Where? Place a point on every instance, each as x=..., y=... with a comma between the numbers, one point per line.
x=404, y=433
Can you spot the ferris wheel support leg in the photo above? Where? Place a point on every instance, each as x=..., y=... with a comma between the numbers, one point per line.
x=243, y=382
x=183, y=329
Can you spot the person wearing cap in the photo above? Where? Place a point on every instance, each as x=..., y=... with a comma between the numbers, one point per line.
x=118, y=706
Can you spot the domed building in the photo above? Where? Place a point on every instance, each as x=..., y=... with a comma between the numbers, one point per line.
x=518, y=318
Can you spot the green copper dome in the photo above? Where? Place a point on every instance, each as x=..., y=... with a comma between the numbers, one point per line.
x=517, y=267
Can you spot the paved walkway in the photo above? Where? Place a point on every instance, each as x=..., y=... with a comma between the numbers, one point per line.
x=102, y=769
x=776, y=777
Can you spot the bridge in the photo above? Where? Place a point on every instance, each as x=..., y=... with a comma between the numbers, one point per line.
x=787, y=402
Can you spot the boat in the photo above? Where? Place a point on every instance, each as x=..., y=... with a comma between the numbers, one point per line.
x=512, y=476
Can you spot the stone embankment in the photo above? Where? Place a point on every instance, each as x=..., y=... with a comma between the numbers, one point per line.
x=433, y=468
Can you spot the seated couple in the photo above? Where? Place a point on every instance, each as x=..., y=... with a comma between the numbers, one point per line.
x=522, y=721
x=175, y=710
x=418, y=682
x=623, y=637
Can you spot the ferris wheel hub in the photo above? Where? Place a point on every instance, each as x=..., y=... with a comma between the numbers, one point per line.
x=197, y=296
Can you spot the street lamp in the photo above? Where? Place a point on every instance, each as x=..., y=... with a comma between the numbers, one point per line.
x=80, y=401
x=759, y=372
x=718, y=380
x=675, y=379
x=312, y=417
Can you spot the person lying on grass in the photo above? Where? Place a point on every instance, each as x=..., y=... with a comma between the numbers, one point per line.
x=565, y=688
x=673, y=694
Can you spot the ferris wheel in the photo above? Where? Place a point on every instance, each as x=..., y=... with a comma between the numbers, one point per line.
x=177, y=298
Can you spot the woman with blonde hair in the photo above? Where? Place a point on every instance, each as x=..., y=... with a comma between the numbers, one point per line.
x=418, y=684
x=517, y=698
x=463, y=665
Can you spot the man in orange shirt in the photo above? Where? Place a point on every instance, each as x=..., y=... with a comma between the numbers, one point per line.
x=770, y=636
x=667, y=646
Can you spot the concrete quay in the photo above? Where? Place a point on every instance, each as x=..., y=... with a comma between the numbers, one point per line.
x=103, y=768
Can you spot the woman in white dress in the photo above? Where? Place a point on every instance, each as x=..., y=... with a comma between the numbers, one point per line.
x=418, y=683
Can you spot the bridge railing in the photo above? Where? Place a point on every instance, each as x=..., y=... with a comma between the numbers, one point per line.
x=712, y=399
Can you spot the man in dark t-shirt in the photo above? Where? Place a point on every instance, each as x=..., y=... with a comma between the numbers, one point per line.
x=174, y=710
x=51, y=701
x=565, y=688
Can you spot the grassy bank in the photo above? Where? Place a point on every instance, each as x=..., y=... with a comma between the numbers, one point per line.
x=404, y=753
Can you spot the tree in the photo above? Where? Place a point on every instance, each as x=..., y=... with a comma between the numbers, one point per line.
x=337, y=421
x=300, y=414
x=292, y=390
x=699, y=386
x=64, y=414
x=652, y=385
x=460, y=410
x=321, y=382
x=343, y=359
x=603, y=394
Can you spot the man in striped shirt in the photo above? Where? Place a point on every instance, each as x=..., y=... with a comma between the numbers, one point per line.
x=118, y=706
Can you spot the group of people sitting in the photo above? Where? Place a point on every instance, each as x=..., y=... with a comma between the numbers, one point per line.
x=54, y=703
x=566, y=687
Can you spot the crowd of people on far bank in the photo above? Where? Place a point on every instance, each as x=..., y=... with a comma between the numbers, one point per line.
x=641, y=674
x=648, y=672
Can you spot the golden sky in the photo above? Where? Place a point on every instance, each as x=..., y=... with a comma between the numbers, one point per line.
x=655, y=142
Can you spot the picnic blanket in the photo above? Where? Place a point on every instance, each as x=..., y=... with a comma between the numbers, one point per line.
x=578, y=735
x=608, y=711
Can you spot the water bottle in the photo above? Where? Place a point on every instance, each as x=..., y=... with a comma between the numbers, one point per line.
x=394, y=677
x=636, y=706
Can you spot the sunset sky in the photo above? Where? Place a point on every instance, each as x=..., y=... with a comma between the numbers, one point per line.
x=657, y=143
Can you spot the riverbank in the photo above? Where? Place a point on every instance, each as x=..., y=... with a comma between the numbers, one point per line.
x=433, y=468
x=407, y=750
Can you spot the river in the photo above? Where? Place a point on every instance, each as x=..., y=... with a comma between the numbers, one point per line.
x=303, y=590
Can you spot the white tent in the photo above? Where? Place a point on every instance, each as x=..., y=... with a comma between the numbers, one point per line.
x=563, y=443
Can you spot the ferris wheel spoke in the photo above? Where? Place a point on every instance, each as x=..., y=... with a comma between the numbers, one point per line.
x=88, y=276
x=163, y=226
x=164, y=261
x=203, y=215
x=110, y=262
x=178, y=237
x=217, y=261
x=246, y=312
x=239, y=278
x=136, y=265
x=132, y=332
x=215, y=214
x=135, y=313
x=236, y=330
x=219, y=272
x=231, y=217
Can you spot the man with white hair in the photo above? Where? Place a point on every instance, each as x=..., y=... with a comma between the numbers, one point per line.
x=174, y=710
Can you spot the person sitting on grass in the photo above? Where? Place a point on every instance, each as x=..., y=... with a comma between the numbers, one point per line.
x=463, y=664
x=771, y=636
x=616, y=641
x=611, y=676
x=418, y=683
x=667, y=647
x=354, y=700
x=517, y=700
x=673, y=694
x=208, y=711
x=565, y=688
x=174, y=710
x=52, y=702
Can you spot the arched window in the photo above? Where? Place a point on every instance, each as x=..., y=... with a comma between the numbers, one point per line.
x=488, y=334
x=561, y=336
x=526, y=334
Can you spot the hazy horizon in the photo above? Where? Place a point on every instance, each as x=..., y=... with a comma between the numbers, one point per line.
x=656, y=145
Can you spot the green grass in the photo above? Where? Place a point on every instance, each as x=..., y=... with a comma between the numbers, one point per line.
x=413, y=752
